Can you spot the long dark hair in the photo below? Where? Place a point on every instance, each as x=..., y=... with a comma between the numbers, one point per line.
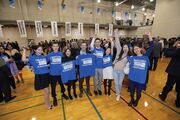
x=122, y=52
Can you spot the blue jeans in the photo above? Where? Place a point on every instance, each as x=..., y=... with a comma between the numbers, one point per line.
x=118, y=79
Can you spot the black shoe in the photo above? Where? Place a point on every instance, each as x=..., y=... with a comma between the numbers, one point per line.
x=99, y=91
x=81, y=94
x=75, y=95
x=135, y=103
x=65, y=96
x=70, y=97
x=95, y=92
x=10, y=99
x=55, y=103
x=1, y=100
x=130, y=103
x=161, y=97
x=17, y=82
x=177, y=104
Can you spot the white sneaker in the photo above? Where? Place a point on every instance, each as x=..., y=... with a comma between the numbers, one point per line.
x=117, y=97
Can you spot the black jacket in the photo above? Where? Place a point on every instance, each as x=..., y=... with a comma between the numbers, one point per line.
x=174, y=65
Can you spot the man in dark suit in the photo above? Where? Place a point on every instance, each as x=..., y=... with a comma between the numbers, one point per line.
x=173, y=71
x=5, y=90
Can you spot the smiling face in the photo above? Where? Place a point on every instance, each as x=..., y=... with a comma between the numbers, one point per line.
x=39, y=50
x=83, y=46
x=98, y=43
x=68, y=53
x=125, y=48
x=55, y=47
x=137, y=50
x=108, y=51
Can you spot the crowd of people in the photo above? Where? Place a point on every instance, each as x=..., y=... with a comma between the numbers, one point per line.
x=70, y=61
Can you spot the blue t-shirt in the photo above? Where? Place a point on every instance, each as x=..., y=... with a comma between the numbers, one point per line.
x=55, y=60
x=107, y=61
x=138, y=68
x=99, y=53
x=39, y=64
x=86, y=65
x=68, y=71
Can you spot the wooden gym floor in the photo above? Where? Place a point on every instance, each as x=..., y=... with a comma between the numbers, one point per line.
x=29, y=103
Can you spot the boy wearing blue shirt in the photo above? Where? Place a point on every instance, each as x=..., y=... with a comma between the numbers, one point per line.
x=98, y=52
x=55, y=59
x=85, y=62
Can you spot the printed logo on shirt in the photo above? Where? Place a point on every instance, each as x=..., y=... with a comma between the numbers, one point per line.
x=106, y=60
x=67, y=66
x=41, y=62
x=56, y=60
x=87, y=61
x=99, y=54
x=5, y=58
x=139, y=64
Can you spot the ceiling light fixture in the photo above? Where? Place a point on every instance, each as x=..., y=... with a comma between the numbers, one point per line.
x=132, y=6
x=143, y=9
x=98, y=1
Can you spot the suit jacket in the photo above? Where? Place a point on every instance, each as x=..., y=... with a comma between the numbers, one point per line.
x=174, y=65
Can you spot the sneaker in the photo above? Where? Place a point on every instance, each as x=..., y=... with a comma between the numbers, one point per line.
x=99, y=91
x=65, y=96
x=161, y=97
x=95, y=92
x=55, y=103
x=50, y=107
x=117, y=97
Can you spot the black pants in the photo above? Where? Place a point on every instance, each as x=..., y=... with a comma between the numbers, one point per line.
x=54, y=80
x=153, y=62
x=71, y=84
x=5, y=90
x=109, y=85
x=135, y=87
x=81, y=81
x=171, y=81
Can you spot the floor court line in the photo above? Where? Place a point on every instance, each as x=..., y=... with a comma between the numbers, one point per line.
x=160, y=102
x=23, y=109
x=131, y=106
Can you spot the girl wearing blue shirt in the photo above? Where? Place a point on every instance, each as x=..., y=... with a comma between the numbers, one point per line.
x=137, y=75
x=40, y=66
x=107, y=71
x=55, y=59
x=68, y=74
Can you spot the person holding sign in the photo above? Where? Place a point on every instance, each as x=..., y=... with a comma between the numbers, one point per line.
x=54, y=59
x=68, y=73
x=99, y=53
x=40, y=67
x=85, y=62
